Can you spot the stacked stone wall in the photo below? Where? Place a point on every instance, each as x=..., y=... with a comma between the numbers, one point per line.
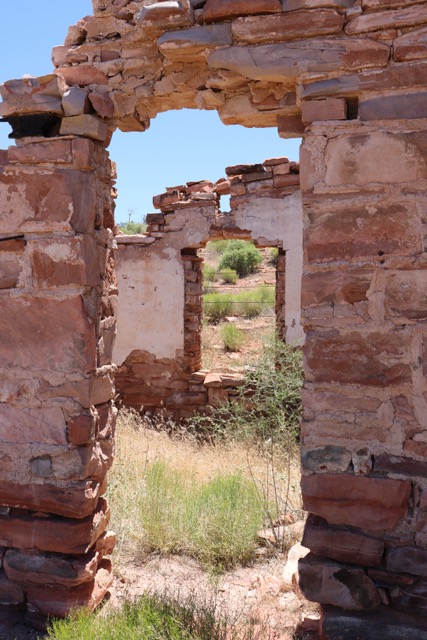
x=190, y=217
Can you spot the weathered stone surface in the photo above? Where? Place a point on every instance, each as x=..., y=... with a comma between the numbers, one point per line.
x=329, y=109
x=102, y=104
x=58, y=602
x=411, y=46
x=65, y=334
x=75, y=102
x=216, y=10
x=57, y=151
x=82, y=75
x=336, y=287
x=279, y=62
x=171, y=14
x=73, y=500
x=54, y=534
x=292, y=5
x=85, y=125
x=290, y=126
x=372, y=504
x=25, y=425
x=73, y=261
x=411, y=105
x=393, y=19
x=10, y=271
x=411, y=598
x=62, y=201
x=81, y=430
x=328, y=459
x=10, y=594
x=342, y=545
x=338, y=624
x=354, y=230
x=386, y=463
x=406, y=295
x=25, y=567
x=407, y=560
x=358, y=358
x=326, y=582
x=186, y=43
x=32, y=95
x=287, y=26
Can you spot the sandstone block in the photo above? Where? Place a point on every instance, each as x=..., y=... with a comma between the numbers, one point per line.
x=25, y=567
x=369, y=5
x=32, y=95
x=407, y=560
x=162, y=16
x=57, y=151
x=54, y=534
x=81, y=430
x=63, y=200
x=406, y=295
x=329, y=109
x=393, y=19
x=411, y=46
x=335, y=287
x=292, y=5
x=328, y=459
x=290, y=126
x=358, y=358
x=372, y=504
x=102, y=104
x=217, y=10
x=75, y=102
x=390, y=228
x=187, y=43
x=65, y=335
x=287, y=26
x=10, y=270
x=10, y=594
x=57, y=602
x=57, y=263
x=407, y=106
x=74, y=500
x=342, y=545
x=26, y=425
x=282, y=62
x=85, y=125
x=82, y=75
x=326, y=582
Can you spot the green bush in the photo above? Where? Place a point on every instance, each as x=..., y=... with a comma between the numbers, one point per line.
x=273, y=255
x=209, y=276
x=241, y=256
x=216, y=522
x=229, y=276
x=217, y=306
x=133, y=228
x=158, y=617
x=232, y=336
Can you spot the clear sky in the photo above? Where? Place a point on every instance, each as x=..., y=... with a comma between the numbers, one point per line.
x=180, y=146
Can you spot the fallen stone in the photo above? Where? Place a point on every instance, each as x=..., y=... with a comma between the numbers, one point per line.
x=371, y=504
x=217, y=10
x=326, y=582
x=342, y=545
x=88, y=126
x=287, y=26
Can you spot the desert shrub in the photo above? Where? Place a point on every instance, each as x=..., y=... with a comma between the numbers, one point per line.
x=209, y=276
x=273, y=255
x=133, y=228
x=232, y=337
x=241, y=256
x=217, y=247
x=248, y=304
x=229, y=276
x=268, y=406
x=158, y=617
x=216, y=521
x=217, y=306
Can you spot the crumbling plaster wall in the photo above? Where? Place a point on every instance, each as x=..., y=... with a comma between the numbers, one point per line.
x=348, y=76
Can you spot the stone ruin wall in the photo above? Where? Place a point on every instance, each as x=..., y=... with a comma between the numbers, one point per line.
x=160, y=276
x=348, y=76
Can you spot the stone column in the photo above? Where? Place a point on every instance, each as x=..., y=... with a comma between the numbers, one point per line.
x=57, y=324
x=364, y=436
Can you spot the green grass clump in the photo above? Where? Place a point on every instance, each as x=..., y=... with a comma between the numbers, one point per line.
x=229, y=276
x=157, y=617
x=216, y=522
x=232, y=337
x=209, y=276
x=217, y=306
x=241, y=256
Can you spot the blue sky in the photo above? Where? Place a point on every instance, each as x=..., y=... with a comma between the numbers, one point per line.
x=180, y=146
